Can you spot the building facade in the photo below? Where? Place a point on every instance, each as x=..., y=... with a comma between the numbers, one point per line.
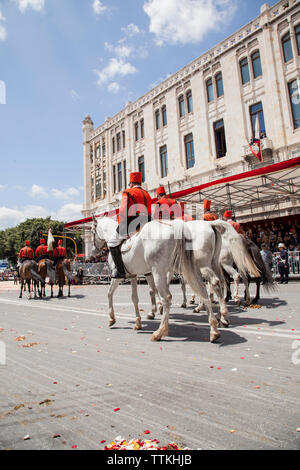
x=196, y=126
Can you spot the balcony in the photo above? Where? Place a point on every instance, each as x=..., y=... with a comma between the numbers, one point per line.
x=266, y=152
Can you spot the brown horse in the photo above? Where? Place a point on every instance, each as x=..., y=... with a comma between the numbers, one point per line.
x=45, y=269
x=29, y=272
x=63, y=271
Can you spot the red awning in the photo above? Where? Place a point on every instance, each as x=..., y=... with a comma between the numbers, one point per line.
x=222, y=182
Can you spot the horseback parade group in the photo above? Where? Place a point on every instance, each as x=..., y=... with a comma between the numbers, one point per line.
x=156, y=239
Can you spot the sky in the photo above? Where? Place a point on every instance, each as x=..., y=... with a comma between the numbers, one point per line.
x=63, y=59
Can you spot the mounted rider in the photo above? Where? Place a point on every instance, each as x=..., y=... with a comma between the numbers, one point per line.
x=26, y=253
x=134, y=213
x=166, y=207
x=236, y=225
x=208, y=215
x=59, y=253
x=42, y=251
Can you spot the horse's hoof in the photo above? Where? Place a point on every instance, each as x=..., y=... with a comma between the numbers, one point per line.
x=214, y=337
x=155, y=337
x=151, y=316
x=112, y=322
x=161, y=310
x=137, y=327
x=224, y=324
x=183, y=305
x=192, y=302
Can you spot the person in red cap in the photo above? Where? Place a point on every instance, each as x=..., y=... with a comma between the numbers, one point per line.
x=208, y=215
x=59, y=253
x=166, y=208
x=236, y=225
x=26, y=252
x=42, y=251
x=134, y=212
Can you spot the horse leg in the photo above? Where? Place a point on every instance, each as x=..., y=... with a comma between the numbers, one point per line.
x=183, y=288
x=257, y=297
x=51, y=285
x=69, y=288
x=216, y=286
x=135, y=300
x=166, y=298
x=152, y=292
x=20, y=296
x=247, y=291
x=29, y=291
x=113, y=286
x=192, y=301
x=236, y=278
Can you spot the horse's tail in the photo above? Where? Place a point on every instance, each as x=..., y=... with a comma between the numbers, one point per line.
x=216, y=257
x=34, y=274
x=51, y=273
x=265, y=272
x=237, y=245
x=68, y=273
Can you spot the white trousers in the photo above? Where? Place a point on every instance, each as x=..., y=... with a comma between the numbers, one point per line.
x=116, y=240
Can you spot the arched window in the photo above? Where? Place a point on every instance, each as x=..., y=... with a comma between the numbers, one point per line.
x=256, y=64
x=219, y=85
x=295, y=102
x=157, y=119
x=287, y=47
x=244, y=71
x=210, y=90
x=181, y=106
x=189, y=100
x=164, y=115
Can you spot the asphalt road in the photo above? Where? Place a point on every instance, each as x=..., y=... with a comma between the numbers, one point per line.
x=62, y=383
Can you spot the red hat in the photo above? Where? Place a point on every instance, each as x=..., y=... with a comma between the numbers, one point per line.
x=42, y=241
x=206, y=204
x=161, y=190
x=228, y=214
x=27, y=242
x=60, y=242
x=136, y=177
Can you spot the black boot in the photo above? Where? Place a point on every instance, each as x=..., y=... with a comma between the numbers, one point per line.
x=119, y=271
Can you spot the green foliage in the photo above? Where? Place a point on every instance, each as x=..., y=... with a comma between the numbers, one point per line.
x=13, y=239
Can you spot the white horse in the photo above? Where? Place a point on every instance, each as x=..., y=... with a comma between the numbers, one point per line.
x=159, y=248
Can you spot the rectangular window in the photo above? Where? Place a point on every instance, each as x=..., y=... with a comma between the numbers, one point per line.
x=113, y=145
x=210, y=90
x=295, y=103
x=157, y=119
x=189, y=100
x=220, y=139
x=104, y=184
x=118, y=142
x=181, y=106
x=141, y=165
x=297, y=32
x=91, y=154
x=287, y=48
x=219, y=85
x=164, y=115
x=114, y=179
x=98, y=188
x=136, y=128
x=142, y=129
x=164, y=161
x=256, y=64
x=103, y=149
x=123, y=138
x=245, y=71
x=257, y=120
x=189, y=151
x=120, y=177
x=125, y=174
x=98, y=152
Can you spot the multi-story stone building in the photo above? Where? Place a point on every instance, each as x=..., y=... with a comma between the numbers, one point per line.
x=195, y=126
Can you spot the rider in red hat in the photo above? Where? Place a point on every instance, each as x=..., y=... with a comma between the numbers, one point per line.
x=26, y=252
x=208, y=215
x=42, y=251
x=236, y=225
x=59, y=253
x=166, y=208
x=135, y=211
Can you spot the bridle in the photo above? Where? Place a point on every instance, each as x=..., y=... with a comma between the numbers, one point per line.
x=96, y=239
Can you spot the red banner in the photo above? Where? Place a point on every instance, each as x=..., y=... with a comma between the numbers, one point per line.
x=255, y=148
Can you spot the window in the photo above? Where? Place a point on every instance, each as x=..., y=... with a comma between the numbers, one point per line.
x=125, y=174
x=287, y=47
x=297, y=32
x=189, y=100
x=119, y=177
x=118, y=142
x=98, y=188
x=136, y=127
x=219, y=85
x=210, y=90
x=114, y=179
x=104, y=184
x=181, y=106
x=256, y=64
x=113, y=145
x=257, y=120
x=245, y=71
x=189, y=151
x=141, y=165
x=157, y=119
x=123, y=138
x=295, y=103
x=103, y=149
x=164, y=116
x=91, y=154
x=164, y=161
x=142, y=129
x=98, y=151
x=220, y=139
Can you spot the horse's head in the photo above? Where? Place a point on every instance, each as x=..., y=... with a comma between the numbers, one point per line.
x=97, y=237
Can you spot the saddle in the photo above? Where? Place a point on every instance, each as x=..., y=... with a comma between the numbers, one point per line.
x=126, y=245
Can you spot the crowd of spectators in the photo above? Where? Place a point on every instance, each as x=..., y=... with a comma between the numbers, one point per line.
x=272, y=234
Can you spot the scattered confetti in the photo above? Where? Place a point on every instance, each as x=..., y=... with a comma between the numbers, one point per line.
x=232, y=431
x=136, y=444
x=117, y=409
x=147, y=432
x=74, y=447
x=102, y=442
x=20, y=338
x=26, y=438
